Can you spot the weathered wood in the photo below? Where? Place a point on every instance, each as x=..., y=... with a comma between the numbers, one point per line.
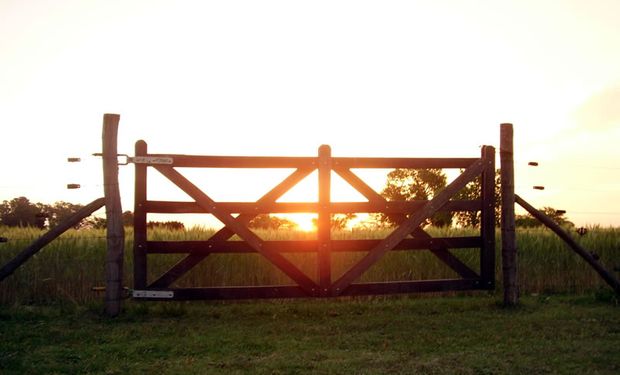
x=406, y=227
x=307, y=207
x=324, y=219
x=361, y=186
x=199, y=161
x=290, y=291
x=114, y=217
x=509, y=244
x=439, y=248
x=139, y=220
x=187, y=263
x=49, y=236
x=232, y=292
x=310, y=246
x=487, y=224
x=409, y=163
x=323, y=246
x=422, y=286
x=607, y=276
x=242, y=231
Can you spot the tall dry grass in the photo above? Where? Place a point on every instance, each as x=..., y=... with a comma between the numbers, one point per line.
x=70, y=266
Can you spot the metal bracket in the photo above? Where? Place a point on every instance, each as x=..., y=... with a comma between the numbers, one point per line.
x=152, y=294
x=150, y=160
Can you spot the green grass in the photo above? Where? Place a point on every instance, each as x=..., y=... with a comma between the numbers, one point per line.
x=70, y=266
x=396, y=335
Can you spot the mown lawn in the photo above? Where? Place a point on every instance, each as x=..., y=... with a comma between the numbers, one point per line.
x=396, y=335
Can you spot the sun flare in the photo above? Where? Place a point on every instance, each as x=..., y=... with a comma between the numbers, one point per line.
x=305, y=222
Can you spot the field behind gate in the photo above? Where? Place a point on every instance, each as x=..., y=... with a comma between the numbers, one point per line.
x=67, y=269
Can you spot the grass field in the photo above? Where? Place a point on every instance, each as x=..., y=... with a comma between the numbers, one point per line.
x=395, y=335
x=52, y=323
x=69, y=267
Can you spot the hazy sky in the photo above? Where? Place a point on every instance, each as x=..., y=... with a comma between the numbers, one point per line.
x=370, y=78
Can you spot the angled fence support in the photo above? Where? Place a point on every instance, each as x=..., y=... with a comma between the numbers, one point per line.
x=49, y=236
x=609, y=278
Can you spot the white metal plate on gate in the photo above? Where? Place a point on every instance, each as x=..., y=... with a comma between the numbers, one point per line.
x=152, y=160
x=152, y=294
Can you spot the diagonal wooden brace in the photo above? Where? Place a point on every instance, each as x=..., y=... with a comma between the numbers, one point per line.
x=407, y=227
x=191, y=260
x=204, y=201
x=359, y=185
x=440, y=252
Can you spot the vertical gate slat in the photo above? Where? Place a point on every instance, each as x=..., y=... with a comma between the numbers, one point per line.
x=139, y=217
x=324, y=219
x=487, y=224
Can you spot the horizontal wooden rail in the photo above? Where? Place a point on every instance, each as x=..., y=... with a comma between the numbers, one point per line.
x=422, y=286
x=306, y=246
x=206, y=161
x=408, y=163
x=169, y=207
x=292, y=291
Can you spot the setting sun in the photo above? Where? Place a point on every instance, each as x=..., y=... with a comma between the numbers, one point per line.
x=305, y=222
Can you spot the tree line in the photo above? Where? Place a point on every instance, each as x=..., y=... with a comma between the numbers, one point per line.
x=401, y=184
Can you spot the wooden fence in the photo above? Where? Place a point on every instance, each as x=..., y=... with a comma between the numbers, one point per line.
x=322, y=284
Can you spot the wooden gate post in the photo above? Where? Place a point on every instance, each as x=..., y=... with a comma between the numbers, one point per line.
x=509, y=245
x=114, y=215
x=324, y=219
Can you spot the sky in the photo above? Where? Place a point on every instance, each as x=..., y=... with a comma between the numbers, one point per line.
x=369, y=78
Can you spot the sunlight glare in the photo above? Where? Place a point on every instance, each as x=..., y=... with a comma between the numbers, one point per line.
x=305, y=222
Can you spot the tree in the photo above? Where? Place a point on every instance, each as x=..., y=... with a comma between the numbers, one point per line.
x=20, y=212
x=101, y=222
x=169, y=225
x=472, y=191
x=529, y=221
x=338, y=221
x=414, y=184
x=266, y=221
x=60, y=211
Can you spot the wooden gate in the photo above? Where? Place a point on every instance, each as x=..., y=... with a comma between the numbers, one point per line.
x=409, y=235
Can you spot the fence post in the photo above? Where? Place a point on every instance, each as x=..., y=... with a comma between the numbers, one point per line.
x=114, y=215
x=509, y=245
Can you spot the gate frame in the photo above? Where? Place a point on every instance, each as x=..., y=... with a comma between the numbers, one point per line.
x=324, y=245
